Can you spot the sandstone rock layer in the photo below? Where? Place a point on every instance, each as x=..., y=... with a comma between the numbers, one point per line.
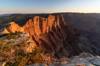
x=53, y=34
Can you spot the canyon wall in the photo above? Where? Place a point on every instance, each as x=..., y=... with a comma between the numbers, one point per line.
x=53, y=34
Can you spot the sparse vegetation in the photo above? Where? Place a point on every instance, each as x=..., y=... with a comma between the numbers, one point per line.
x=14, y=54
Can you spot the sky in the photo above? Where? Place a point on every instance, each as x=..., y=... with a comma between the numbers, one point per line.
x=49, y=6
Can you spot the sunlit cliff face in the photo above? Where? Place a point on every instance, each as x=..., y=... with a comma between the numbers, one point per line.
x=39, y=25
x=15, y=28
x=51, y=33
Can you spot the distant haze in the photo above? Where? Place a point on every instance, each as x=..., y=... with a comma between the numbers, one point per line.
x=49, y=6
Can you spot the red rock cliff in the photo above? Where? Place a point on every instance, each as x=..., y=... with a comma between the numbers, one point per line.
x=51, y=33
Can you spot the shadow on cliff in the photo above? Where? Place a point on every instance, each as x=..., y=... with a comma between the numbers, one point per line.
x=54, y=34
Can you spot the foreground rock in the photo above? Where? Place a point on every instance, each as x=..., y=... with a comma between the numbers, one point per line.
x=84, y=59
x=20, y=49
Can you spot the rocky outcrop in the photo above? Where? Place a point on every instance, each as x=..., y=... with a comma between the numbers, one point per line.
x=52, y=33
x=13, y=27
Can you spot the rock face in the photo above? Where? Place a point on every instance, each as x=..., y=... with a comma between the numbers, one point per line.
x=14, y=28
x=51, y=33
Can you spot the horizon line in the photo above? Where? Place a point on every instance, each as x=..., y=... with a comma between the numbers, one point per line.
x=48, y=12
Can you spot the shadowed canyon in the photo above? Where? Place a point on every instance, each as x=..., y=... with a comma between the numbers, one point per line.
x=62, y=35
